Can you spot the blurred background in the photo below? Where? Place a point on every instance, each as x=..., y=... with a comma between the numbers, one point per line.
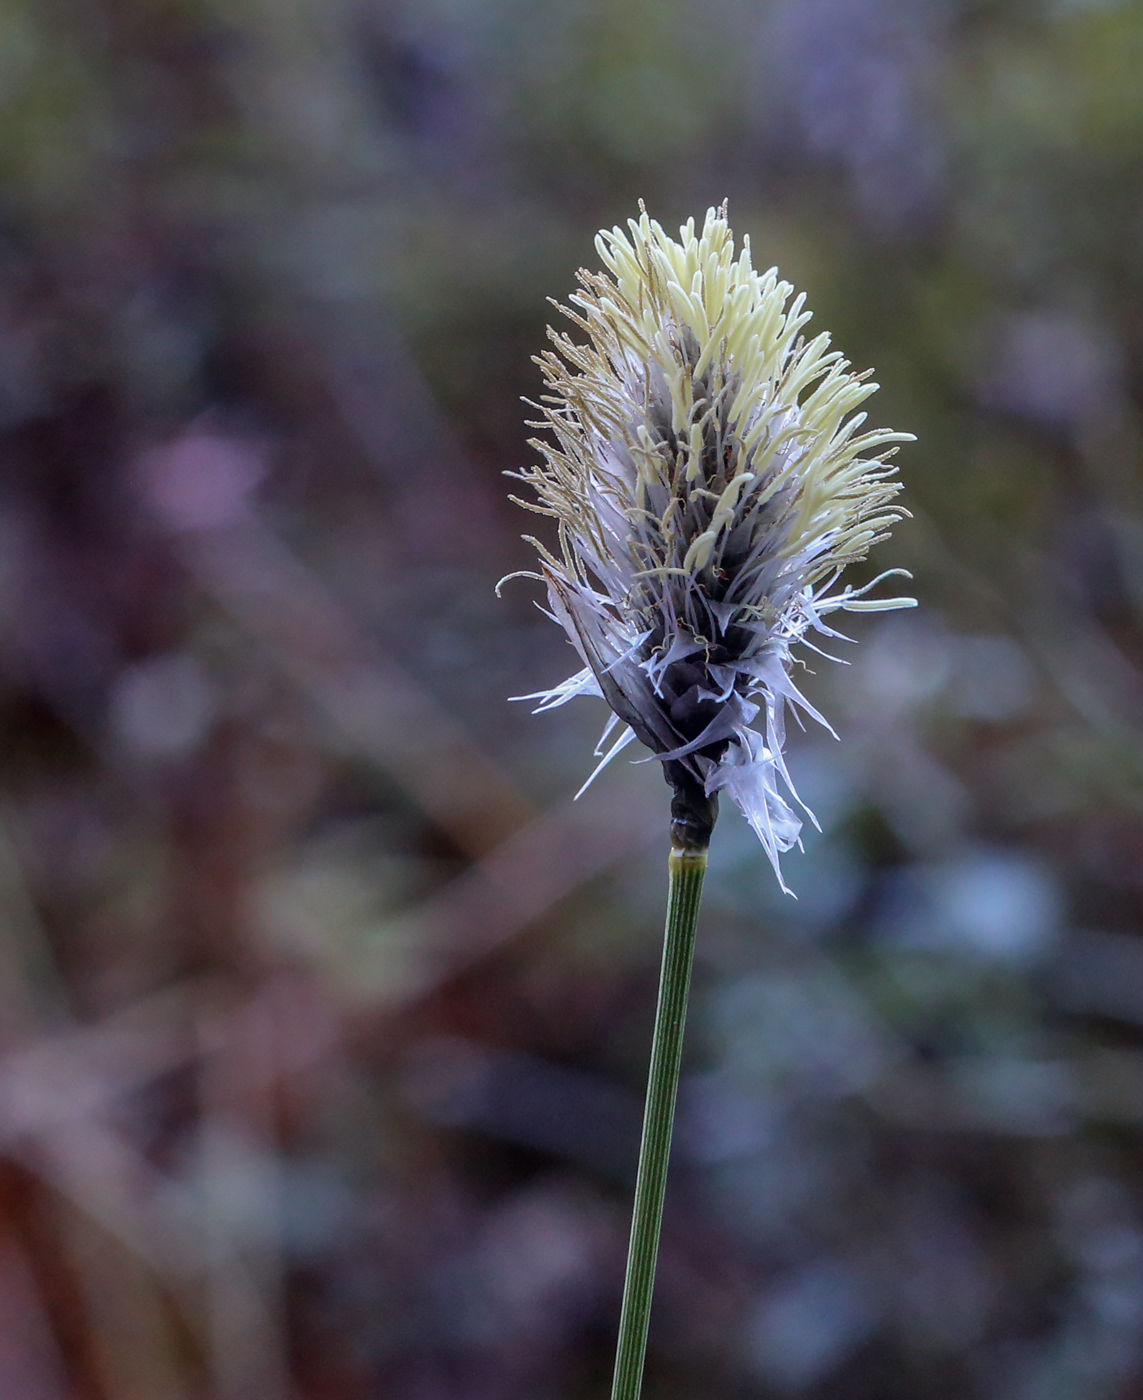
x=324, y=1014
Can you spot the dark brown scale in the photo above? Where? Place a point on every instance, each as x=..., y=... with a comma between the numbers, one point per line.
x=693, y=812
x=686, y=685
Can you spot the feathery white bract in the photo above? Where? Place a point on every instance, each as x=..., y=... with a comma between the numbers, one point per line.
x=711, y=479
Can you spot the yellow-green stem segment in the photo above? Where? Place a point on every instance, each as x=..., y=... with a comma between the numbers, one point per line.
x=687, y=868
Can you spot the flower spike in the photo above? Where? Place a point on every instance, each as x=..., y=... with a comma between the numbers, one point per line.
x=711, y=477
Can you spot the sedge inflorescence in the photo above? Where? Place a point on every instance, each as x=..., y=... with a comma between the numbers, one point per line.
x=711, y=477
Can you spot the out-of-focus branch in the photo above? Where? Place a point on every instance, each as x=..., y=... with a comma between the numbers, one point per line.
x=372, y=702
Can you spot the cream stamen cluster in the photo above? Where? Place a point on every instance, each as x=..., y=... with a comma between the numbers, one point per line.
x=710, y=477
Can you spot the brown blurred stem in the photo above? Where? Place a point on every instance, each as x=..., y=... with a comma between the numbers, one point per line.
x=687, y=867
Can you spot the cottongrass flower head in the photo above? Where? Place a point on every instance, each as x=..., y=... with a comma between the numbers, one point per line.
x=711, y=477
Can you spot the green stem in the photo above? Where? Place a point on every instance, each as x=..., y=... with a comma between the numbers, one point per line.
x=687, y=868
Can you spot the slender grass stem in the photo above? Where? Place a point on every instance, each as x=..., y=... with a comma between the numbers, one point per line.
x=687, y=868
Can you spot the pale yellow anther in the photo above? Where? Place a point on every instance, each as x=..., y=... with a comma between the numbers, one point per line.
x=698, y=555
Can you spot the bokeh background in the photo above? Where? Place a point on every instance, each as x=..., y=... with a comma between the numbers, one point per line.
x=323, y=1013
